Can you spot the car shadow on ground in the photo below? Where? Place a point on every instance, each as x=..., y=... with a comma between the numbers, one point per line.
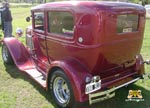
x=17, y=74
x=119, y=101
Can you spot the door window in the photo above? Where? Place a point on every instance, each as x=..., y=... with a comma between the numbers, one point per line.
x=39, y=21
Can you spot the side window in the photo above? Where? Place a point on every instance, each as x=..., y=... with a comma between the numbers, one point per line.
x=61, y=23
x=39, y=20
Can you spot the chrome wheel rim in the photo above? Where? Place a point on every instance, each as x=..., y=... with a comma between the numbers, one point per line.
x=61, y=90
x=5, y=53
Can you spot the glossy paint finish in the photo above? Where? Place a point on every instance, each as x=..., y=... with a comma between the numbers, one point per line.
x=95, y=48
x=94, y=23
x=19, y=53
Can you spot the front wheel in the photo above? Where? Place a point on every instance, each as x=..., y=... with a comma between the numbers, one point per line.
x=61, y=90
x=6, y=55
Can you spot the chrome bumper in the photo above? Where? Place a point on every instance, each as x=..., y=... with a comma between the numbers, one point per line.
x=97, y=97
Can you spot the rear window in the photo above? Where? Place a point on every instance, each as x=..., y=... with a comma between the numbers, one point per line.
x=127, y=23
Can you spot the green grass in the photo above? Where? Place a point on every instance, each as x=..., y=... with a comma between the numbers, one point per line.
x=17, y=90
x=19, y=19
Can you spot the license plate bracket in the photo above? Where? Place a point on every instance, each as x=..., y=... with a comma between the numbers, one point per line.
x=93, y=86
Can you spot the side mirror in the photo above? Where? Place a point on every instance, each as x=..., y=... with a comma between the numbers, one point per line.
x=28, y=19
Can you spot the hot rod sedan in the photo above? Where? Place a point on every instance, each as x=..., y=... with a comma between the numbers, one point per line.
x=81, y=51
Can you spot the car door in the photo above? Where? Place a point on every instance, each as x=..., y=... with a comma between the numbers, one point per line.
x=60, y=34
x=40, y=56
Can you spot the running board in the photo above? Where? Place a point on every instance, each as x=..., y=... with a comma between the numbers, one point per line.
x=37, y=76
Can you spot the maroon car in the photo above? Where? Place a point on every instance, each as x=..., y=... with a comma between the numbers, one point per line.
x=81, y=50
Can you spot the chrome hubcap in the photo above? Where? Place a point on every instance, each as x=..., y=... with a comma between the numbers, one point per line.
x=5, y=53
x=61, y=91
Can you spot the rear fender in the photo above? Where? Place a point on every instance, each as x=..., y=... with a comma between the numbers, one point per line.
x=76, y=74
x=18, y=52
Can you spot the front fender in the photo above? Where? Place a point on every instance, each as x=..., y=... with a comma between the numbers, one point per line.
x=19, y=53
x=76, y=74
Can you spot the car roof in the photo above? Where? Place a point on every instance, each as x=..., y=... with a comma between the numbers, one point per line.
x=88, y=4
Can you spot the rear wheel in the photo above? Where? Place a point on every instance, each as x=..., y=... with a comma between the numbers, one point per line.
x=61, y=90
x=6, y=55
